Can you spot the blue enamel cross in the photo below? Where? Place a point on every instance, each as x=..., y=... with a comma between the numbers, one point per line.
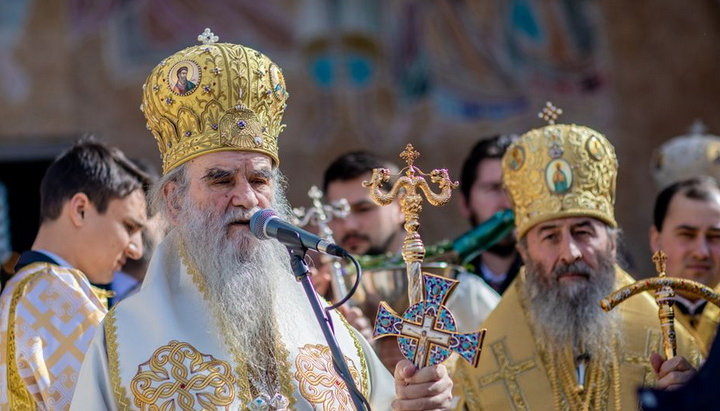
x=426, y=331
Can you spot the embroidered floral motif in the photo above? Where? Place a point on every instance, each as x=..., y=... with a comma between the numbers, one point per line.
x=317, y=380
x=178, y=376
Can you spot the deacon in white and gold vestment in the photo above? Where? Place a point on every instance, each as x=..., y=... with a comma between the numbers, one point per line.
x=220, y=322
x=50, y=310
x=549, y=345
x=48, y=315
x=691, y=156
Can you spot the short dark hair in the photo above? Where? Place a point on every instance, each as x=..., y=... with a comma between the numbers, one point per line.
x=353, y=165
x=177, y=73
x=699, y=188
x=488, y=147
x=103, y=173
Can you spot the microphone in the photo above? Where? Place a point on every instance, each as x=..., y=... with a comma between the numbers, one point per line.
x=266, y=224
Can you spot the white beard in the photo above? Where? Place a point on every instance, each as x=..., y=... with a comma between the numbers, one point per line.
x=250, y=288
x=570, y=315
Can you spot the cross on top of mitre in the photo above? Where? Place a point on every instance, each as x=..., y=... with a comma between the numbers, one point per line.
x=550, y=113
x=207, y=37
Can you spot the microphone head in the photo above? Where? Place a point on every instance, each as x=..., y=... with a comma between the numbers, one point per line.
x=258, y=221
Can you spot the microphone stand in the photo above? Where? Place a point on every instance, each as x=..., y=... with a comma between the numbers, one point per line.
x=300, y=271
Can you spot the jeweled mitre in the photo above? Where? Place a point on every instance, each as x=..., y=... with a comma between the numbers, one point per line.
x=694, y=154
x=214, y=97
x=560, y=170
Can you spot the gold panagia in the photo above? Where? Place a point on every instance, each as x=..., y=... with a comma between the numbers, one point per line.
x=560, y=170
x=514, y=373
x=214, y=97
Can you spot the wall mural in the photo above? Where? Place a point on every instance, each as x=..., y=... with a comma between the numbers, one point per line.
x=379, y=72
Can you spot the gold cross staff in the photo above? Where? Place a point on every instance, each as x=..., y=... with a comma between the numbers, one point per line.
x=665, y=288
x=408, y=189
x=320, y=215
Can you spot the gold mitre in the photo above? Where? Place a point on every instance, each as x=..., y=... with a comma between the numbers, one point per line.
x=214, y=97
x=692, y=155
x=560, y=170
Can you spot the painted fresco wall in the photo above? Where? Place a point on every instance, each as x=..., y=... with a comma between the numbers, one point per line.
x=379, y=74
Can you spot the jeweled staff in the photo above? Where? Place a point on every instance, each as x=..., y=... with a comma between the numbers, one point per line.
x=320, y=215
x=408, y=189
x=426, y=331
x=664, y=287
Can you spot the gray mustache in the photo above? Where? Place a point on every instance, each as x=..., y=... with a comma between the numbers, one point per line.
x=579, y=267
x=238, y=214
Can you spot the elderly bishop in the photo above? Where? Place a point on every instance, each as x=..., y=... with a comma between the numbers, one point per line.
x=220, y=322
x=549, y=343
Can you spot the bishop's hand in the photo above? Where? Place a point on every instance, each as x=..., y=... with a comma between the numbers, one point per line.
x=673, y=373
x=429, y=388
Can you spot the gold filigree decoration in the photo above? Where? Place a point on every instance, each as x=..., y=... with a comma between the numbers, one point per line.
x=317, y=380
x=103, y=295
x=245, y=389
x=508, y=373
x=361, y=355
x=560, y=171
x=18, y=395
x=409, y=189
x=121, y=398
x=190, y=126
x=177, y=375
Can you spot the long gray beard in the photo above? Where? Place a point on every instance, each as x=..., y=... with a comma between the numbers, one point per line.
x=570, y=315
x=248, y=282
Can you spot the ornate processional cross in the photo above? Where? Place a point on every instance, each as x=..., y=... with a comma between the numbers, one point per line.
x=408, y=190
x=426, y=331
x=320, y=215
x=665, y=288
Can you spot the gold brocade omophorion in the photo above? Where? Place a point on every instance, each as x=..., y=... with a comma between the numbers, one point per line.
x=245, y=388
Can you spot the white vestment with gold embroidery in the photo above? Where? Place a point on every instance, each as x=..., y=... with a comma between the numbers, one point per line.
x=162, y=348
x=48, y=316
